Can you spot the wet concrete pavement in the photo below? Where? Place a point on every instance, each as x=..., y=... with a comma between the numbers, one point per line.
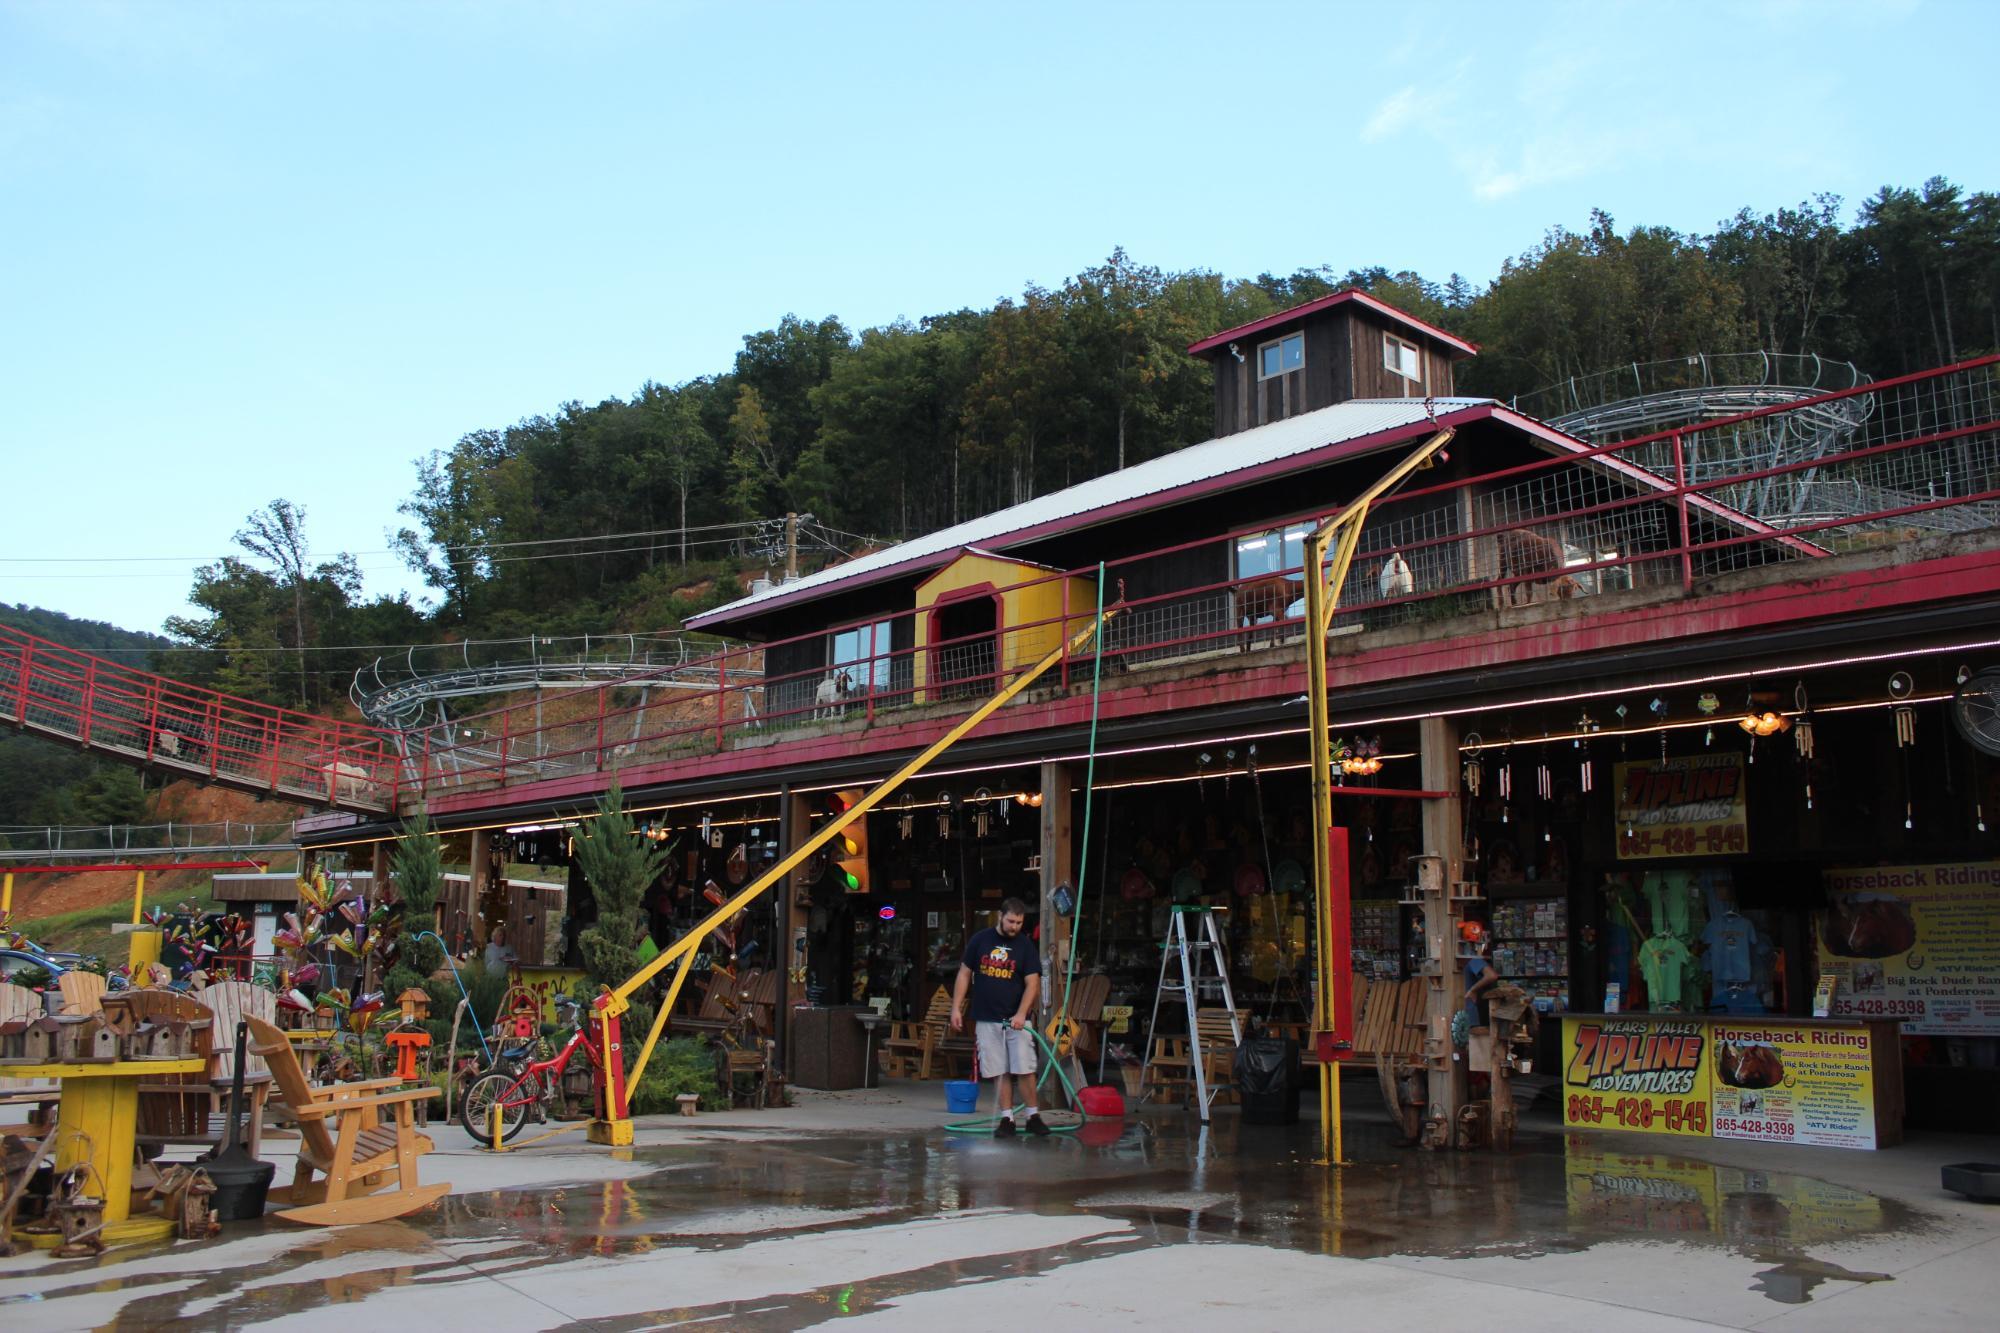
x=765, y=1226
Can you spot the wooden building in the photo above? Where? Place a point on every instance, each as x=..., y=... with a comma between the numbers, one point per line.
x=1339, y=347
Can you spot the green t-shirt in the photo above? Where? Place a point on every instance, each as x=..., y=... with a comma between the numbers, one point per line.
x=1665, y=962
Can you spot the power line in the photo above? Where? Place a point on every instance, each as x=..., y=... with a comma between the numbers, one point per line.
x=443, y=546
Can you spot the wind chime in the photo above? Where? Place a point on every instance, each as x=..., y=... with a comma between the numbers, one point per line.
x=1900, y=687
x=1802, y=737
x=1584, y=726
x=1545, y=788
x=906, y=817
x=944, y=816
x=1708, y=705
x=1474, y=775
x=1506, y=781
x=982, y=815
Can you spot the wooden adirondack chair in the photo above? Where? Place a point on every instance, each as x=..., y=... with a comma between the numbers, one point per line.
x=726, y=993
x=230, y=1002
x=1086, y=1010
x=82, y=993
x=194, y=1108
x=343, y=1139
x=926, y=1043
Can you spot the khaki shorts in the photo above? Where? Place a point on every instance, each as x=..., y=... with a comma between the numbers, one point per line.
x=1003, y=1050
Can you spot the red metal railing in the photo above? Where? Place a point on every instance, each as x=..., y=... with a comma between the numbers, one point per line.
x=1901, y=458
x=146, y=718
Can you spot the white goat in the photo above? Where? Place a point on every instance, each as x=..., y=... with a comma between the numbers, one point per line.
x=1397, y=580
x=830, y=699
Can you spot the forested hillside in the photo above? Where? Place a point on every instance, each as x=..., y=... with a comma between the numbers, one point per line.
x=45, y=783
x=630, y=513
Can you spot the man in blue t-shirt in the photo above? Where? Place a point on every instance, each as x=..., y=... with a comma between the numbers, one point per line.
x=1002, y=973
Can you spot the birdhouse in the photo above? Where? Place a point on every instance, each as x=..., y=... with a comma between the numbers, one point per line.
x=41, y=1043
x=415, y=1003
x=102, y=1047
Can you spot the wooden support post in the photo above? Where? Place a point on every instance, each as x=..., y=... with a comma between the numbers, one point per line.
x=1444, y=831
x=794, y=827
x=480, y=878
x=1058, y=847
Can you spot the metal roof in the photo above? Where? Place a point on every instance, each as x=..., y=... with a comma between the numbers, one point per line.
x=1217, y=464
x=1354, y=294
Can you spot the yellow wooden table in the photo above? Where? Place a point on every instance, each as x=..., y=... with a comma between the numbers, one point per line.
x=97, y=1121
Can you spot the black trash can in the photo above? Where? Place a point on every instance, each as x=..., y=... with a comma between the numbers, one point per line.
x=1267, y=1078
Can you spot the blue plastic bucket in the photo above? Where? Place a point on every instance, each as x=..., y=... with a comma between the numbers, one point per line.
x=961, y=1096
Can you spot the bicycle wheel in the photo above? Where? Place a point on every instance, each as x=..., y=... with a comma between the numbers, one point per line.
x=511, y=1092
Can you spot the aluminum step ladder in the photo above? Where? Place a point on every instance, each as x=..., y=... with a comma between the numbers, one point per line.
x=1194, y=986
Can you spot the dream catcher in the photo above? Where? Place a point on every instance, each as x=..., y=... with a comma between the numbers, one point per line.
x=1474, y=774
x=1974, y=712
x=944, y=809
x=982, y=813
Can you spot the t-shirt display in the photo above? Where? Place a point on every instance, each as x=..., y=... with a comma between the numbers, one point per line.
x=1730, y=939
x=1001, y=965
x=1665, y=962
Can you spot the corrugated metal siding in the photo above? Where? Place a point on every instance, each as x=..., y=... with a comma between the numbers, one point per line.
x=1213, y=459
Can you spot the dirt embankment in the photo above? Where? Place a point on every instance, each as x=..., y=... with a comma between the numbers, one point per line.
x=181, y=802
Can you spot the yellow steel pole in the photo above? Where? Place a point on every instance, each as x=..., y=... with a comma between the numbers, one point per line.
x=683, y=948
x=7, y=893
x=1323, y=582
x=139, y=899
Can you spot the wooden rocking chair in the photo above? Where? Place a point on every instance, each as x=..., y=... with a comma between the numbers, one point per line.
x=358, y=1155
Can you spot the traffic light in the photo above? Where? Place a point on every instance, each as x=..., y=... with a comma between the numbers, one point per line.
x=850, y=846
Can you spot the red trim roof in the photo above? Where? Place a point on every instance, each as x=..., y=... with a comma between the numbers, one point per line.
x=1382, y=308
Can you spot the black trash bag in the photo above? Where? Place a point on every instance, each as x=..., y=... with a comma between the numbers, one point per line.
x=1267, y=1064
x=1267, y=1076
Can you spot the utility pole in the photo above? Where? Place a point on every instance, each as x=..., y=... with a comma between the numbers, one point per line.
x=791, y=547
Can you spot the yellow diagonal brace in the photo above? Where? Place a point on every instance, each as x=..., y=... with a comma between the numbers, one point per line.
x=684, y=947
x=1323, y=585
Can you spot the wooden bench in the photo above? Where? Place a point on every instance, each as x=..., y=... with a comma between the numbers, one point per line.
x=358, y=1154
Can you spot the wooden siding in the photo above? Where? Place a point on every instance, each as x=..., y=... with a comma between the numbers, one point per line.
x=1373, y=379
x=1343, y=361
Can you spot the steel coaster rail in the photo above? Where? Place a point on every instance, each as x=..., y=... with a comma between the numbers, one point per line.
x=614, y=1125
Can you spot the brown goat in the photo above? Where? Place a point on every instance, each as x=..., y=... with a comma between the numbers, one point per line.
x=1264, y=599
x=1524, y=555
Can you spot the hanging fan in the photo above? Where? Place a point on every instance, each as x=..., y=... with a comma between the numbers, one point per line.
x=1976, y=710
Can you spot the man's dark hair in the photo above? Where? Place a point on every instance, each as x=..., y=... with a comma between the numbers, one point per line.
x=1014, y=906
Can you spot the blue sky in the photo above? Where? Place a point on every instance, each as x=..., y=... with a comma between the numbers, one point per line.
x=275, y=249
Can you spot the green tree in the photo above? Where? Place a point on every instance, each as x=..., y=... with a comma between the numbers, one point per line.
x=418, y=865
x=755, y=481
x=620, y=865
x=277, y=535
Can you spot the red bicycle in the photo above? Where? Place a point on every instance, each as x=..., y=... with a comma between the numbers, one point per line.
x=540, y=1089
